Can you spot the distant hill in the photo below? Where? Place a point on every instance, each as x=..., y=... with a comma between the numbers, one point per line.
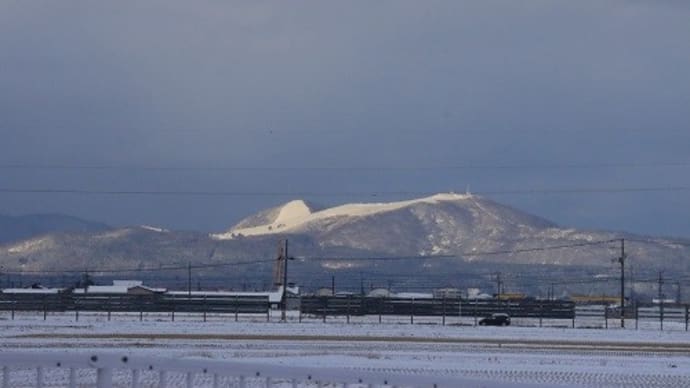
x=440, y=224
x=16, y=228
x=461, y=225
x=442, y=236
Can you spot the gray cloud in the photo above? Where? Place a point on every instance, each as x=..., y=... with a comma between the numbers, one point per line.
x=356, y=84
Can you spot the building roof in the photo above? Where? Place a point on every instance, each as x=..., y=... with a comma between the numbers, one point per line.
x=273, y=296
x=414, y=295
x=31, y=290
x=128, y=283
x=118, y=287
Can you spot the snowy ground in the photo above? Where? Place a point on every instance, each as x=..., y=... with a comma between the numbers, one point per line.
x=553, y=356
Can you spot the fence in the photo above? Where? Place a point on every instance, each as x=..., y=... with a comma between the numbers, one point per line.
x=669, y=313
x=107, y=370
x=357, y=306
x=346, y=306
x=157, y=303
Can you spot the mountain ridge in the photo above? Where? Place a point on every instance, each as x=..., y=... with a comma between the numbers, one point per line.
x=298, y=220
x=464, y=228
x=14, y=228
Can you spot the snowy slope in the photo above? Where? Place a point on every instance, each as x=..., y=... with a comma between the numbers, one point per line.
x=17, y=228
x=296, y=216
x=439, y=224
x=461, y=226
x=278, y=216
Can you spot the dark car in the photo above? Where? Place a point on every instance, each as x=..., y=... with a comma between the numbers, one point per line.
x=497, y=319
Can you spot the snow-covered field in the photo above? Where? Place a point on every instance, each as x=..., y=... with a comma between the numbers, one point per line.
x=552, y=356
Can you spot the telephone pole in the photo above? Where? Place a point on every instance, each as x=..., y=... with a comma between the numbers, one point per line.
x=661, y=299
x=499, y=283
x=631, y=285
x=283, y=299
x=621, y=260
x=189, y=279
x=361, y=284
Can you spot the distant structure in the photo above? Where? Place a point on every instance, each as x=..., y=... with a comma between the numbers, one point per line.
x=130, y=287
x=447, y=293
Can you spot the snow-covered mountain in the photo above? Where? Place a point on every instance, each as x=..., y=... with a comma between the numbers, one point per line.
x=275, y=218
x=467, y=228
x=439, y=224
x=15, y=228
x=464, y=225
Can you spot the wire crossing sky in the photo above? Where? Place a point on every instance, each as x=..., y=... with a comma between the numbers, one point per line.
x=574, y=111
x=265, y=261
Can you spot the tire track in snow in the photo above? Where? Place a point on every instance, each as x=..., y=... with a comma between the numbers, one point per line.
x=610, y=346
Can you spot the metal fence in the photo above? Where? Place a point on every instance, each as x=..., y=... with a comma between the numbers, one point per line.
x=349, y=306
x=159, y=303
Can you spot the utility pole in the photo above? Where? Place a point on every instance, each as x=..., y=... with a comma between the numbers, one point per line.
x=498, y=284
x=621, y=260
x=631, y=285
x=333, y=285
x=661, y=300
x=189, y=279
x=678, y=295
x=285, y=257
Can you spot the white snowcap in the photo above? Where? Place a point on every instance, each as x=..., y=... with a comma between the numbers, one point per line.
x=296, y=214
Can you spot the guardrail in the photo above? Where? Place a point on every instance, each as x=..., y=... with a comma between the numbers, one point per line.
x=61, y=369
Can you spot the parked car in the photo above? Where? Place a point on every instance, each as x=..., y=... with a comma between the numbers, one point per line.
x=496, y=319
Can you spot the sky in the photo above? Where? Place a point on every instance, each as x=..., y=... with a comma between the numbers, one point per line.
x=193, y=115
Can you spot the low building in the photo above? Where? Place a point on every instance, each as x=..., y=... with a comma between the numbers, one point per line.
x=511, y=296
x=274, y=297
x=414, y=295
x=121, y=287
x=32, y=290
x=325, y=291
x=447, y=293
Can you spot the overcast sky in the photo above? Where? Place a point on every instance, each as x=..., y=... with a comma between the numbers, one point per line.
x=335, y=101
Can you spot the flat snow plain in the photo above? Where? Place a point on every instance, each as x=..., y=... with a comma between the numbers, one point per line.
x=525, y=354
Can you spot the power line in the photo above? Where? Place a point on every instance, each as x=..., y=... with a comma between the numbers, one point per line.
x=184, y=193
x=548, y=248
x=657, y=241
x=471, y=253
x=590, y=190
x=466, y=166
x=152, y=269
x=315, y=259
